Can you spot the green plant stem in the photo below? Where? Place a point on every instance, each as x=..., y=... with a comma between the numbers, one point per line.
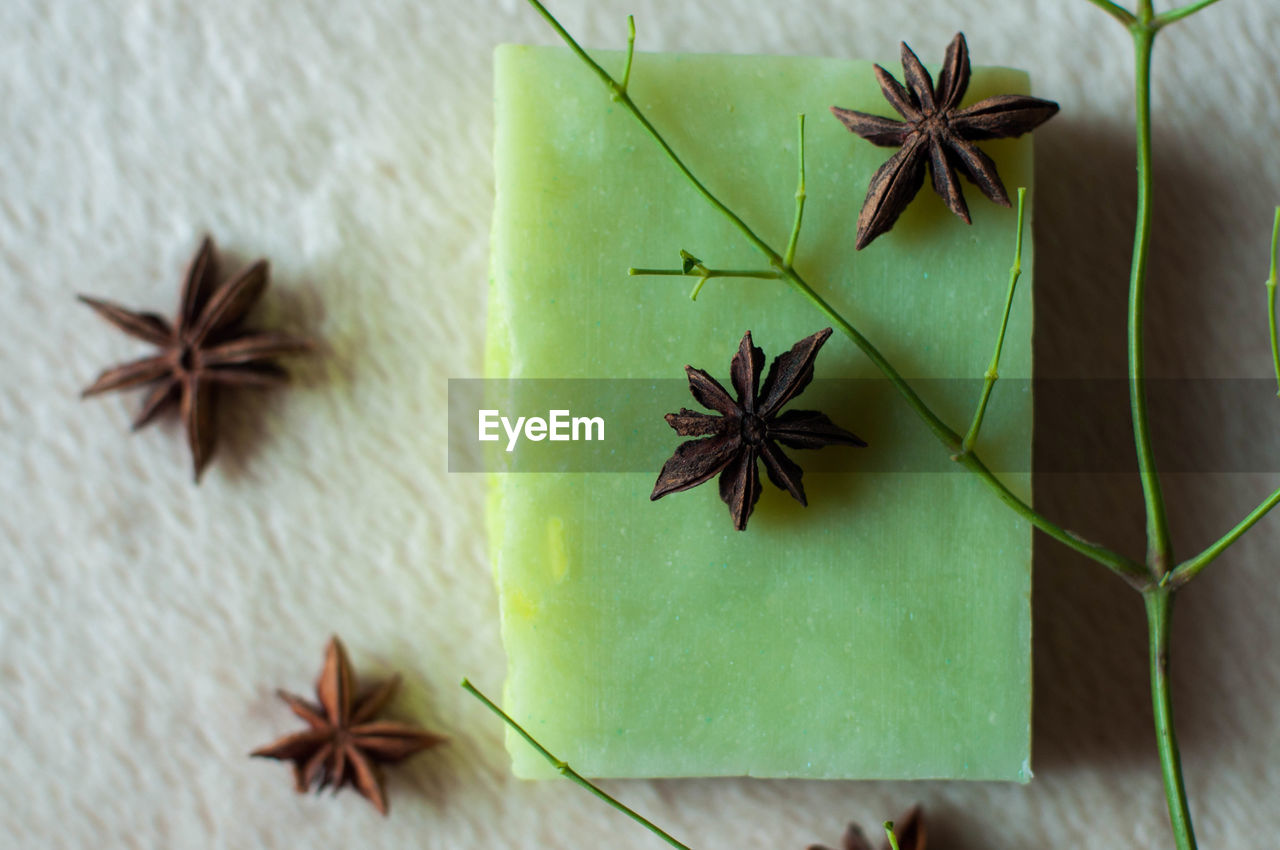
x=765, y=274
x=1159, y=548
x=569, y=773
x=1159, y=553
x=1123, y=566
x=1121, y=14
x=890, y=835
x=775, y=259
x=1271, y=320
x=1271, y=297
x=704, y=274
x=631, y=51
x=790, y=256
x=1158, y=602
x=1174, y=15
x=993, y=370
x=1126, y=568
x=1189, y=569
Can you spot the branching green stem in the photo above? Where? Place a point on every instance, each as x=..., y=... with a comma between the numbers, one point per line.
x=1271, y=298
x=1121, y=565
x=1159, y=548
x=1157, y=579
x=790, y=256
x=1159, y=554
x=1158, y=601
x=1189, y=569
x=1116, y=562
x=569, y=773
x=775, y=259
x=993, y=371
x=1174, y=15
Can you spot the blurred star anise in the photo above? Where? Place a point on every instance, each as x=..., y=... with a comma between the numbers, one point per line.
x=344, y=743
x=204, y=349
x=750, y=428
x=908, y=830
x=938, y=134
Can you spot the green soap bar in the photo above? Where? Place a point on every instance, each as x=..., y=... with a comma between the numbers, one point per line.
x=882, y=632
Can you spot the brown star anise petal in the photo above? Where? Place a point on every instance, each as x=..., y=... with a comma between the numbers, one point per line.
x=750, y=428
x=205, y=349
x=893, y=186
x=789, y=373
x=696, y=462
x=344, y=743
x=691, y=423
x=909, y=830
x=938, y=135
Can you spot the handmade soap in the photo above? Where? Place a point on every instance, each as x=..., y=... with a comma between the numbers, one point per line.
x=883, y=631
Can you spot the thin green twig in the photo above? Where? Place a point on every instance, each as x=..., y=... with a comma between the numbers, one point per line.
x=703, y=274
x=1271, y=298
x=1158, y=601
x=1189, y=569
x=1120, y=13
x=890, y=835
x=767, y=274
x=790, y=256
x=993, y=371
x=1126, y=568
x=631, y=50
x=1174, y=15
x=569, y=773
x=774, y=258
x=1159, y=548
x=1123, y=566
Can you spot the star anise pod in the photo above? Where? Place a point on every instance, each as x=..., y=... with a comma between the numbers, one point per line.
x=750, y=428
x=344, y=743
x=204, y=349
x=909, y=830
x=938, y=134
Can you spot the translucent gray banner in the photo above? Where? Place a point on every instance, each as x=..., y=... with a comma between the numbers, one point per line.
x=1082, y=425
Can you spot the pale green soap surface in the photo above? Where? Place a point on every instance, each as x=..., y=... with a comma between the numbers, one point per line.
x=882, y=632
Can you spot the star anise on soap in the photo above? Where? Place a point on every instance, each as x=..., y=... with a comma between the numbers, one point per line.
x=936, y=134
x=909, y=830
x=344, y=742
x=749, y=429
x=203, y=350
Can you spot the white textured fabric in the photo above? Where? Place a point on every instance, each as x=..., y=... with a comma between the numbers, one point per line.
x=144, y=623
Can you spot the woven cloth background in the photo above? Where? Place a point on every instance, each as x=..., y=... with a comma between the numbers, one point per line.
x=144, y=623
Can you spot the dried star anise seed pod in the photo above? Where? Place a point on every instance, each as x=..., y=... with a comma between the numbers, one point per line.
x=204, y=349
x=936, y=134
x=344, y=742
x=749, y=429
